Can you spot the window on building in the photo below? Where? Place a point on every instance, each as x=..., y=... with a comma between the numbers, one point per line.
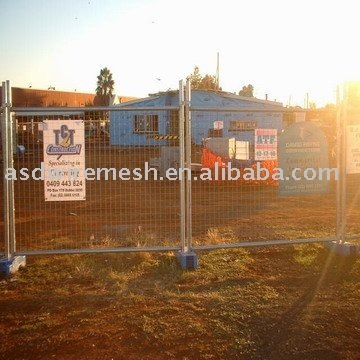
x=146, y=124
x=242, y=125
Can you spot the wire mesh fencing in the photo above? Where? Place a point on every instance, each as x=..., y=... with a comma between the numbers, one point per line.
x=248, y=185
x=230, y=209
x=125, y=205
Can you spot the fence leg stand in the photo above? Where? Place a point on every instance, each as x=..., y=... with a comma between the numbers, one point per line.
x=188, y=259
x=345, y=249
x=11, y=266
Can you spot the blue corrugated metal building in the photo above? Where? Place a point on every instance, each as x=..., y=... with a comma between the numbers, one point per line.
x=135, y=128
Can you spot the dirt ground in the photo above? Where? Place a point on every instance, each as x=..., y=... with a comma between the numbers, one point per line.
x=297, y=302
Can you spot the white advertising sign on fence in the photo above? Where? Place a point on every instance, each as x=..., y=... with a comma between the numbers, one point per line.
x=353, y=149
x=265, y=144
x=64, y=156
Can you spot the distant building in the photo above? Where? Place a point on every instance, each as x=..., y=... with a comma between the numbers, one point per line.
x=141, y=127
x=22, y=97
x=27, y=97
x=28, y=124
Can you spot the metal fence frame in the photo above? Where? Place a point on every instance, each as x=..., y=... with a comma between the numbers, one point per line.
x=8, y=185
x=185, y=124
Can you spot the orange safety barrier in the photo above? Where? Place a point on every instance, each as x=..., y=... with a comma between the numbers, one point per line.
x=208, y=160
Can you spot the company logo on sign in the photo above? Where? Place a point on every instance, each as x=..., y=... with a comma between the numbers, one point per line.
x=63, y=142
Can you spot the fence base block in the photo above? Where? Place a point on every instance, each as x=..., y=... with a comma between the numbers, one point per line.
x=344, y=249
x=9, y=267
x=187, y=259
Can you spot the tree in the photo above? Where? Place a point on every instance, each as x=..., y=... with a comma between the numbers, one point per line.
x=247, y=91
x=330, y=107
x=200, y=82
x=195, y=78
x=105, y=86
x=312, y=105
x=208, y=82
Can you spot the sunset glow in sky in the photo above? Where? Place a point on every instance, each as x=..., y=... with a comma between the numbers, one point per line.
x=284, y=48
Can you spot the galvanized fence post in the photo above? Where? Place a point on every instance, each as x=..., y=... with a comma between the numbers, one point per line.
x=347, y=247
x=342, y=246
x=11, y=263
x=188, y=140
x=343, y=165
x=4, y=137
x=182, y=166
x=10, y=153
x=339, y=139
x=187, y=258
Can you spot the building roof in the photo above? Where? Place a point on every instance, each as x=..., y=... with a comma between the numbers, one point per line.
x=23, y=97
x=203, y=98
x=125, y=99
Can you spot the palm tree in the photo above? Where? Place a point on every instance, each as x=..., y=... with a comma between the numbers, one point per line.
x=105, y=85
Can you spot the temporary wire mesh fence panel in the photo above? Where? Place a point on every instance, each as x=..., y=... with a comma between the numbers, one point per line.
x=247, y=210
x=125, y=206
x=127, y=202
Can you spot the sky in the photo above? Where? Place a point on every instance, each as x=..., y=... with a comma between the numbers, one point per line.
x=284, y=48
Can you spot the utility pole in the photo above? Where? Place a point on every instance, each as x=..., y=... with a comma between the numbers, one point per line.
x=307, y=100
x=217, y=72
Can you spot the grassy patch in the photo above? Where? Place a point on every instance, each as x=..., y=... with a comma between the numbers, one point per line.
x=307, y=255
x=266, y=303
